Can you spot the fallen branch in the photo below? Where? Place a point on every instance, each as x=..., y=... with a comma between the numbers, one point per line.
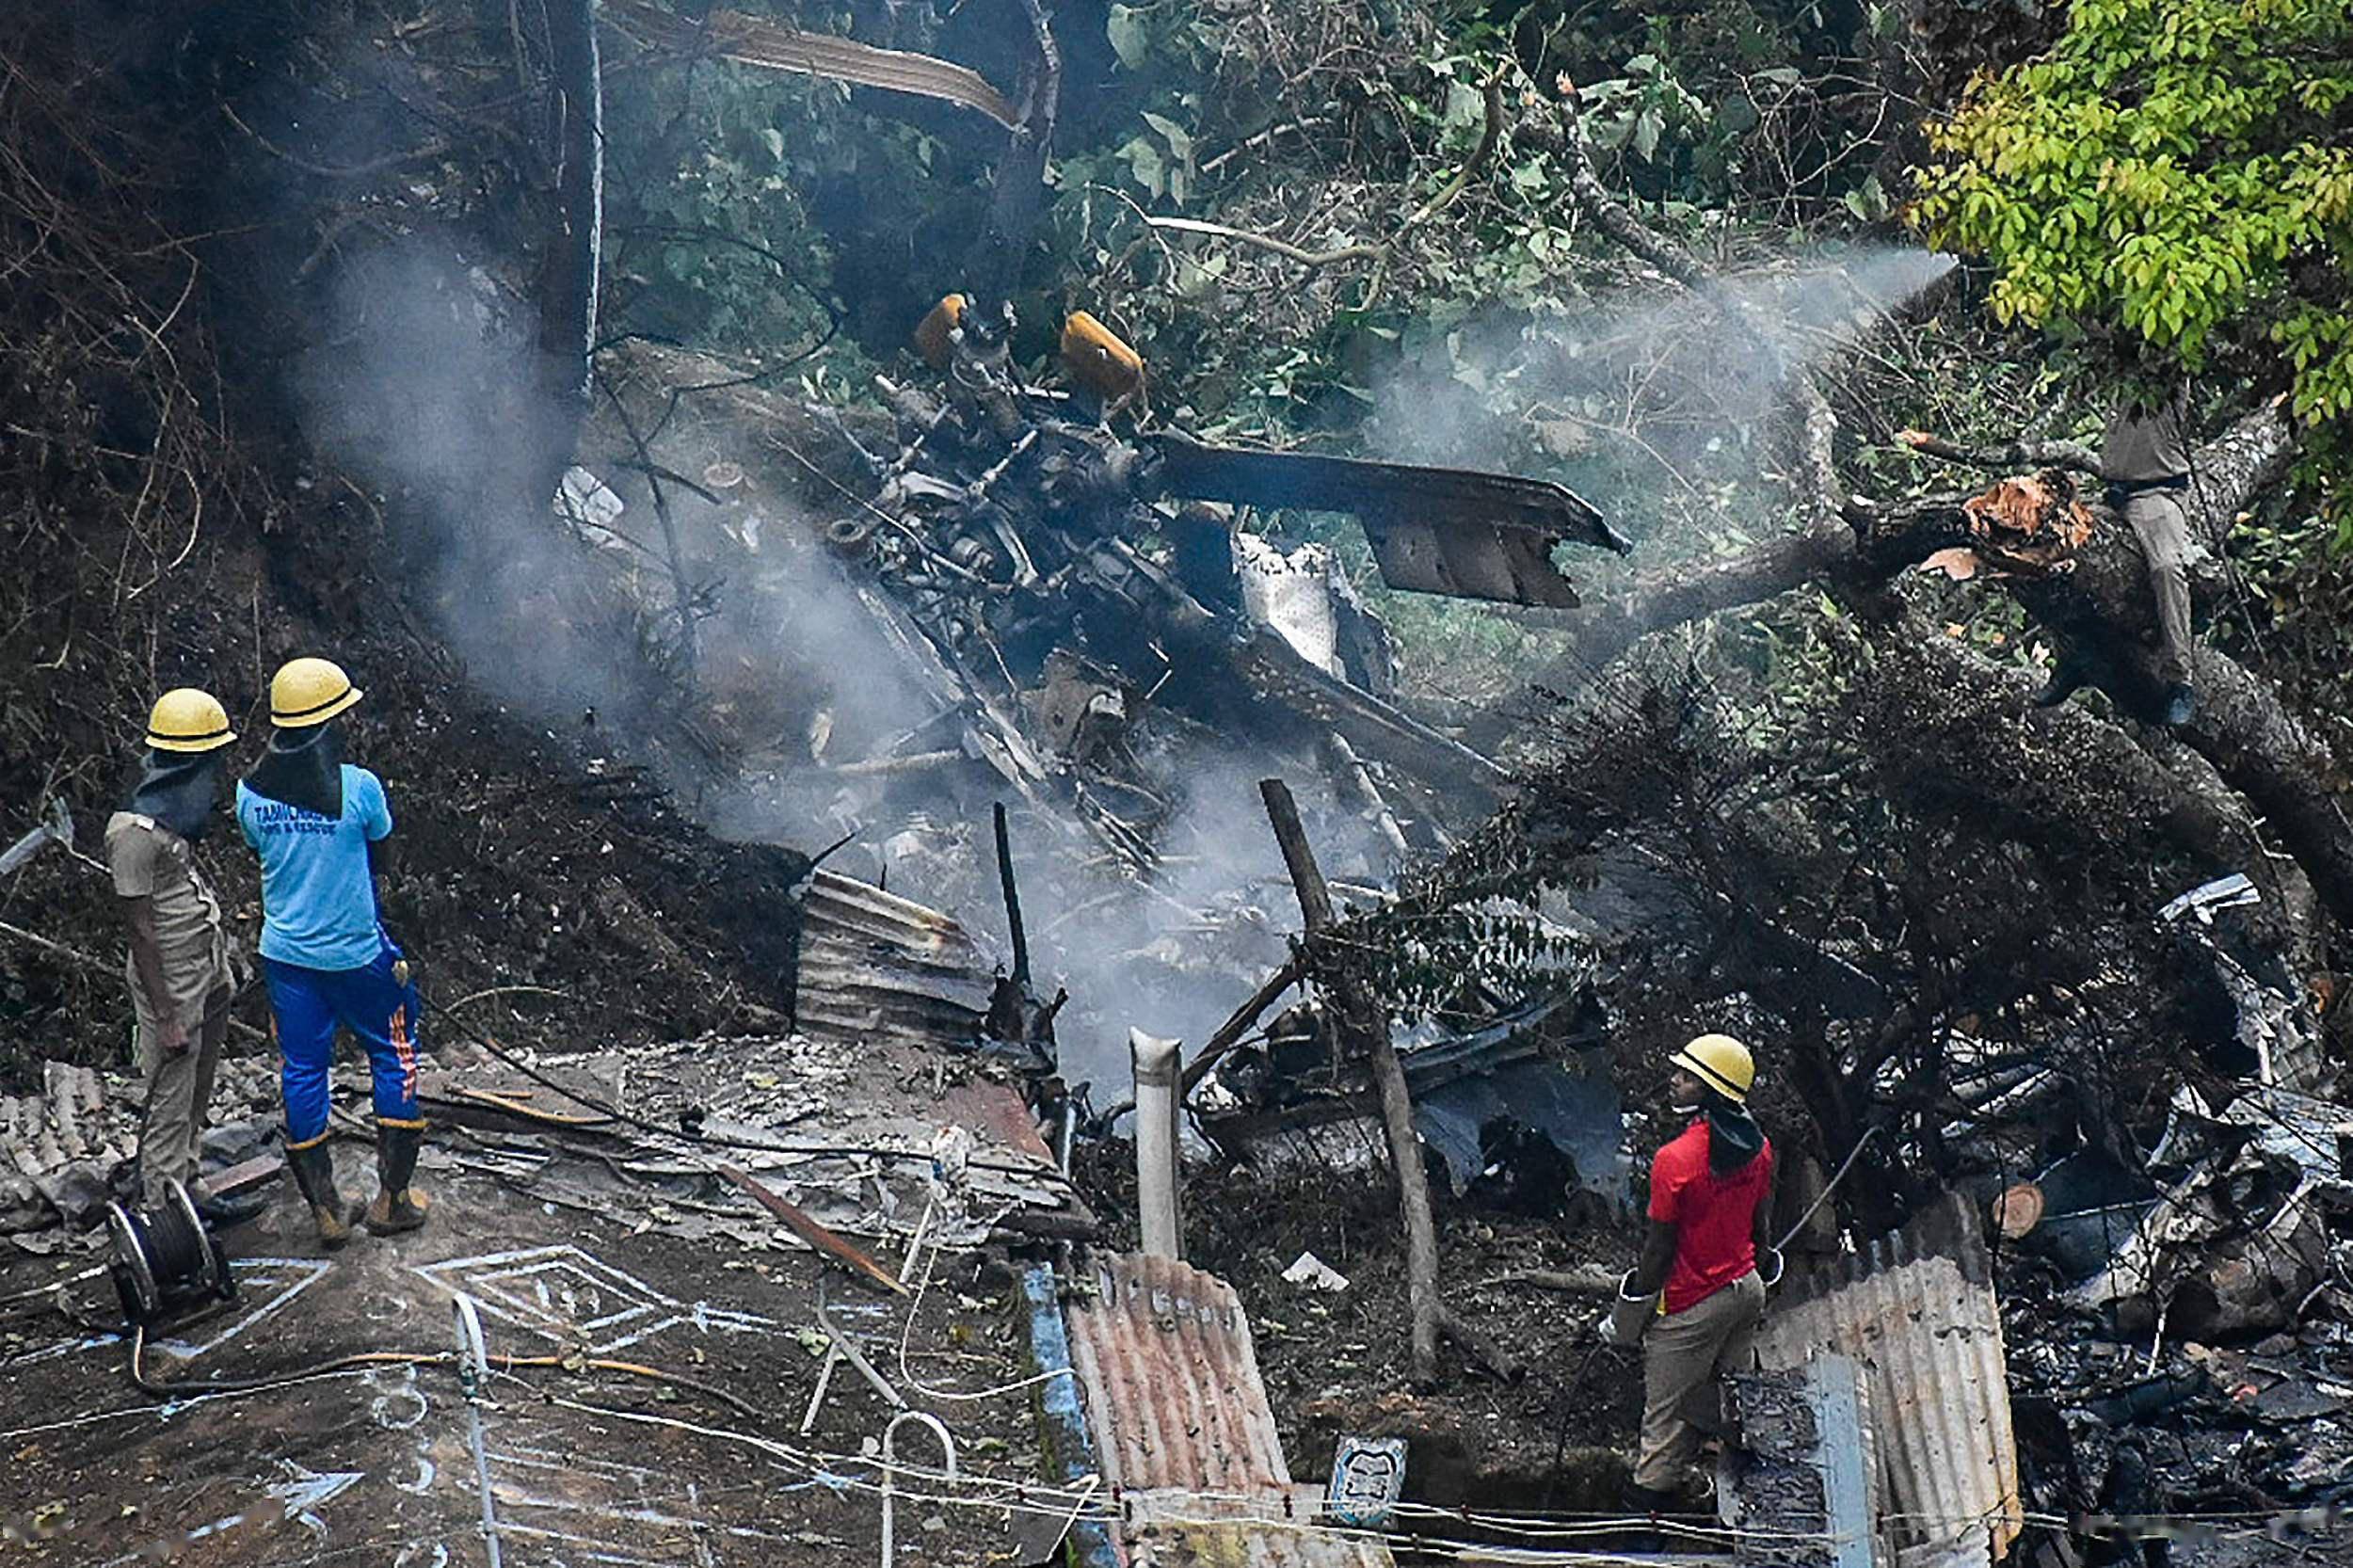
x=1357, y=252
x=1615, y=218
x=753, y=40
x=1490, y=136
x=1489, y=133
x=1238, y=1024
x=98, y=966
x=1593, y=1280
x=2009, y=457
x=1481, y=1346
x=487, y=993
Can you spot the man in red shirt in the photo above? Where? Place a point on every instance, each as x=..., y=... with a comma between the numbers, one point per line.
x=1695, y=1298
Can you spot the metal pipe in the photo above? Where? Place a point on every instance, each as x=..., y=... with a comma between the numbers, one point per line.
x=891, y=1473
x=1070, y=1444
x=1155, y=1064
x=473, y=1373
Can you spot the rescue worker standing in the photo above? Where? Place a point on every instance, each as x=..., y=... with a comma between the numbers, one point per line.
x=181, y=976
x=2145, y=461
x=1695, y=1298
x=320, y=824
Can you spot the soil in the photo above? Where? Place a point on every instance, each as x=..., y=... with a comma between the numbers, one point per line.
x=522, y=859
x=1339, y=1362
x=609, y=1461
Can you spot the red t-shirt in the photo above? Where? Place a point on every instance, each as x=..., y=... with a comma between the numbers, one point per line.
x=1714, y=1215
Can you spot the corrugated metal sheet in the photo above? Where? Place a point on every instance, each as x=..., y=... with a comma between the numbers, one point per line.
x=1252, y=1545
x=1172, y=1381
x=873, y=963
x=1917, y=1309
x=1183, y=1431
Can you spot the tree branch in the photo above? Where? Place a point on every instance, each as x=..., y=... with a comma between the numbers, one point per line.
x=2009, y=456
x=1615, y=218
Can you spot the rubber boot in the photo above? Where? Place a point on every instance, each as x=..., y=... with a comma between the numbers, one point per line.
x=218, y=1213
x=398, y=1205
x=313, y=1170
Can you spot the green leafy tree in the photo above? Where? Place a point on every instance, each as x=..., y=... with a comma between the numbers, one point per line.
x=2181, y=169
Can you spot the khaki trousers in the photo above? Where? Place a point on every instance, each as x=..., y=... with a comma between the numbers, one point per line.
x=2162, y=527
x=179, y=1086
x=1682, y=1355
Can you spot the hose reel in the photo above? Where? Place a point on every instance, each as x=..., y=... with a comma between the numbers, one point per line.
x=164, y=1261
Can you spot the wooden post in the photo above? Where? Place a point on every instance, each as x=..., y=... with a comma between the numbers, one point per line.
x=1362, y=1020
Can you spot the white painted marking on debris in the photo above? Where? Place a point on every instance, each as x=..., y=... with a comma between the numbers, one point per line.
x=383, y=1407
x=565, y=1295
x=307, y=1490
x=424, y=1483
x=267, y=1275
x=63, y=1346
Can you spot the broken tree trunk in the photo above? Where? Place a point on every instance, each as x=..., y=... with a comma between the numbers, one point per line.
x=569, y=278
x=1363, y=1020
x=1852, y=547
x=1018, y=186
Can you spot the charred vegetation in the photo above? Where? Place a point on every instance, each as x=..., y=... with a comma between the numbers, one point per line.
x=1207, y=441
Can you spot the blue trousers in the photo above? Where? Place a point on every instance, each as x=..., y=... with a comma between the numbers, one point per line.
x=307, y=1004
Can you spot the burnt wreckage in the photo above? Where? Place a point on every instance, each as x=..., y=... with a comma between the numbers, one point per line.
x=1047, y=577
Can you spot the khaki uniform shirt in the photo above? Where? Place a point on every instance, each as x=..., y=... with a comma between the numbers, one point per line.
x=151, y=861
x=2145, y=444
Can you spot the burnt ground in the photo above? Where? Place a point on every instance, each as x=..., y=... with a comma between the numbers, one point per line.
x=374, y=1466
x=525, y=857
x=2236, y=1433
x=1338, y=1362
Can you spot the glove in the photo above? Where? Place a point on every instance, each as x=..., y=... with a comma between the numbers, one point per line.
x=1621, y=1326
x=1769, y=1265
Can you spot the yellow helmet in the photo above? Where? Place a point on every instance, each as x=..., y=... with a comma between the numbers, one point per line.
x=1722, y=1062
x=186, y=719
x=305, y=691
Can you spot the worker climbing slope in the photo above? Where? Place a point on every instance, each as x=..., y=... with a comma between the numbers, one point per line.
x=320, y=827
x=181, y=971
x=1696, y=1297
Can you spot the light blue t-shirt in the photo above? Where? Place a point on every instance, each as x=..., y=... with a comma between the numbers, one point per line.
x=318, y=902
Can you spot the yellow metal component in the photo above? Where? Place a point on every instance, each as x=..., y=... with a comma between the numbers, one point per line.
x=1100, y=362
x=931, y=333
x=1722, y=1062
x=305, y=691
x=186, y=719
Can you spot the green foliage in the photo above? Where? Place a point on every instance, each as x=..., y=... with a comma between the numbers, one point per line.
x=2179, y=168
x=2298, y=575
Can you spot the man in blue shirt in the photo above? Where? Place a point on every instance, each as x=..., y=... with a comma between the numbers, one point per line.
x=320, y=826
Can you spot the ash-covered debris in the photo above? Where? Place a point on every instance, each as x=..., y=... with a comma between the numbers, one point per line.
x=68, y=1150
x=1517, y=1110
x=1780, y=1480
x=990, y=591
x=1048, y=599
